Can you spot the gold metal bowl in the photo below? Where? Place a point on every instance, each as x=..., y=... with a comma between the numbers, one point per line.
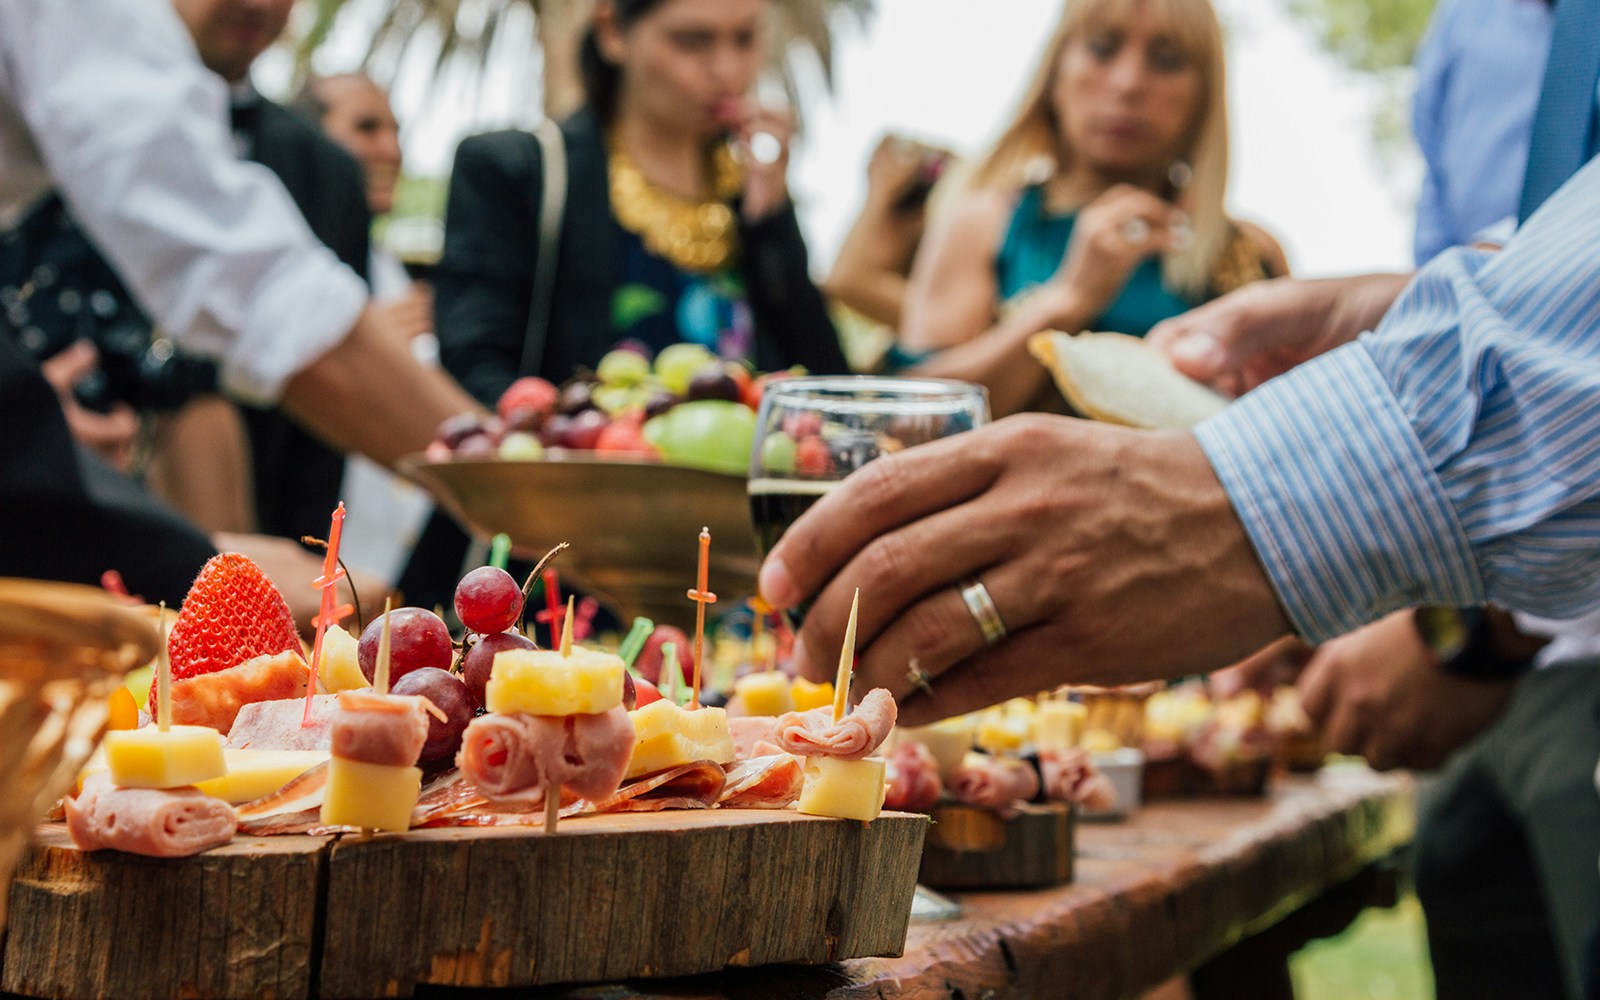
x=633, y=525
x=63, y=650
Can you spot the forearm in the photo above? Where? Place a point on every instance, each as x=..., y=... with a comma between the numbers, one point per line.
x=370, y=395
x=999, y=360
x=877, y=295
x=869, y=273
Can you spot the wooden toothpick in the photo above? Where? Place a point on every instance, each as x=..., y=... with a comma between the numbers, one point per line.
x=566, y=629
x=847, y=659
x=380, y=674
x=552, y=806
x=163, y=678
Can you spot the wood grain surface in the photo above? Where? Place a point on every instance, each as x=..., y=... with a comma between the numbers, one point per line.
x=970, y=848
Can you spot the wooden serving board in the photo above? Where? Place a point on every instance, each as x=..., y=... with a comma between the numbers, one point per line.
x=607, y=897
x=970, y=848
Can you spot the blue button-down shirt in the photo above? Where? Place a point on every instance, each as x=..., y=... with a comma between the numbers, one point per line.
x=1450, y=457
x=1479, y=69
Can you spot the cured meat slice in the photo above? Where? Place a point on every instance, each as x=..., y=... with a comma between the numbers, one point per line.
x=275, y=725
x=1070, y=776
x=857, y=735
x=913, y=778
x=769, y=782
x=159, y=823
x=510, y=757
x=695, y=785
x=214, y=699
x=385, y=729
x=993, y=782
x=750, y=731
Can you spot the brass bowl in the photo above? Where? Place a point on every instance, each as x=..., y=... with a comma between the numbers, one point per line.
x=63, y=650
x=633, y=525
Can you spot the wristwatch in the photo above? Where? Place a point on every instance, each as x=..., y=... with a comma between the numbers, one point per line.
x=1463, y=640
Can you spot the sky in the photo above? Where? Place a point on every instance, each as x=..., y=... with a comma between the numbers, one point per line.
x=1304, y=163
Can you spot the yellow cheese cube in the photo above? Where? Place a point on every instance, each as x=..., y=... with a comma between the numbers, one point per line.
x=948, y=741
x=340, y=669
x=765, y=693
x=666, y=736
x=848, y=789
x=808, y=695
x=254, y=773
x=1101, y=741
x=372, y=796
x=997, y=734
x=149, y=758
x=543, y=682
x=1058, y=725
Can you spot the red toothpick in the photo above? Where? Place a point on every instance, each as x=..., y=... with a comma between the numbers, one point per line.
x=701, y=596
x=553, y=611
x=328, y=613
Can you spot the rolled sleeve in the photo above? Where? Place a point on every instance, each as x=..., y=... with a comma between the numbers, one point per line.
x=1339, y=498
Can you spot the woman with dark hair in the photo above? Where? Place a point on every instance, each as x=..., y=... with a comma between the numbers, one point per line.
x=676, y=218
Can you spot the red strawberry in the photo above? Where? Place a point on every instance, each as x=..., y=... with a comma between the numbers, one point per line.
x=232, y=613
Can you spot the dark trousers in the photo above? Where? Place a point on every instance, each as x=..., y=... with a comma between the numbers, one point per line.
x=1508, y=845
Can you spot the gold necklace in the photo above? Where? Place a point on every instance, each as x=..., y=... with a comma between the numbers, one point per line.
x=696, y=236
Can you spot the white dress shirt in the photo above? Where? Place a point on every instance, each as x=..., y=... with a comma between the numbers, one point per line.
x=107, y=101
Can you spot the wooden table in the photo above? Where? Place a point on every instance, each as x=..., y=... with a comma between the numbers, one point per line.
x=1181, y=887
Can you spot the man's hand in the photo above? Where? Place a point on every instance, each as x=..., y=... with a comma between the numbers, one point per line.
x=1242, y=339
x=409, y=316
x=111, y=435
x=1379, y=692
x=1111, y=555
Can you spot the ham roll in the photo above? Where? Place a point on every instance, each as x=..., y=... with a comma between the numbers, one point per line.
x=1070, y=776
x=509, y=758
x=857, y=735
x=158, y=823
x=384, y=729
x=913, y=779
x=994, y=782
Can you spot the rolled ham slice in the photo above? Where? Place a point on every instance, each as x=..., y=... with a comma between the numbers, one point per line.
x=158, y=823
x=815, y=734
x=275, y=725
x=913, y=779
x=382, y=729
x=769, y=782
x=749, y=731
x=1070, y=776
x=993, y=782
x=511, y=757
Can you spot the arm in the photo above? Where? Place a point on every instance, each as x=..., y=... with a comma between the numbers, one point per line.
x=869, y=275
x=1463, y=472
x=952, y=292
x=484, y=280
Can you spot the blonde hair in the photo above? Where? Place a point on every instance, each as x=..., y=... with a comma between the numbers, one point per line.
x=1032, y=138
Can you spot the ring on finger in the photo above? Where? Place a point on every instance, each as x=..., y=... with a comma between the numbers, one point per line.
x=980, y=604
x=1135, y=231
x=919, y=678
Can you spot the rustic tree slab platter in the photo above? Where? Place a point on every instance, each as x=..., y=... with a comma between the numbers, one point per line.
x=970, y=848
x=631, y=895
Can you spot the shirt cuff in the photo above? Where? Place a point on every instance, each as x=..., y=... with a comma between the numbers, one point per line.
x=1344, y=509
x=312, y=294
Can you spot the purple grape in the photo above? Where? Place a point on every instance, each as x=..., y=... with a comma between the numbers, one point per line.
x=478, y=661
x=713, y=382
x=575, y=398
x=447, y=692
x=418, y=638
x=454, y=430
x=488, y=600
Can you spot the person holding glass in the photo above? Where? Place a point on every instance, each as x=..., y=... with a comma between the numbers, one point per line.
x=1100, y=206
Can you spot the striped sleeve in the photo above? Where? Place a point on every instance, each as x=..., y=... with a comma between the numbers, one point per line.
x=1450, y=457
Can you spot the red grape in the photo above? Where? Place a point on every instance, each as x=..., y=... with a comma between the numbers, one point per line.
x=478, y=662
x=418, y=638
x=447, y=692
x=488, y=600
x=649, y=661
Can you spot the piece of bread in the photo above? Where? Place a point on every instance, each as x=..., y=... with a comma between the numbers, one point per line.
x=1121, y=380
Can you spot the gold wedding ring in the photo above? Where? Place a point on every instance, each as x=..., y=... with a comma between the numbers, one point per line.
x=919, y=678
x=981, y=606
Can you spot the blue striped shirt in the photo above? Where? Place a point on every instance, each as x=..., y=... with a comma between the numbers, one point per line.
x=1450, y=457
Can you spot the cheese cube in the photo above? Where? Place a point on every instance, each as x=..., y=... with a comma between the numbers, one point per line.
x=666, y=736
x=371, y=796
x=543, y=682
x=848, y=789
x=765, y=693
x=998, y=734
x=948, y=741
x=149, y=758
x=340, y=669
x=1058, y=725
x=808, y=695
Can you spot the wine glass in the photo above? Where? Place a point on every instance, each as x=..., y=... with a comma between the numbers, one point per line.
x=811, y=433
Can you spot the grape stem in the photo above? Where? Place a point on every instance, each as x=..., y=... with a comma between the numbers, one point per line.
x=321, y=543
x=527, y=587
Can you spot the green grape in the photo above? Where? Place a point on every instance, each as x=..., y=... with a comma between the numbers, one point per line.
x=677, y=364
x=705, y=434
x=623, y=368
x=777, y=454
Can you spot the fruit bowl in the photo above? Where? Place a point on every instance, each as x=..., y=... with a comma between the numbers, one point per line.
x=63, y=650
x=633, y=525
